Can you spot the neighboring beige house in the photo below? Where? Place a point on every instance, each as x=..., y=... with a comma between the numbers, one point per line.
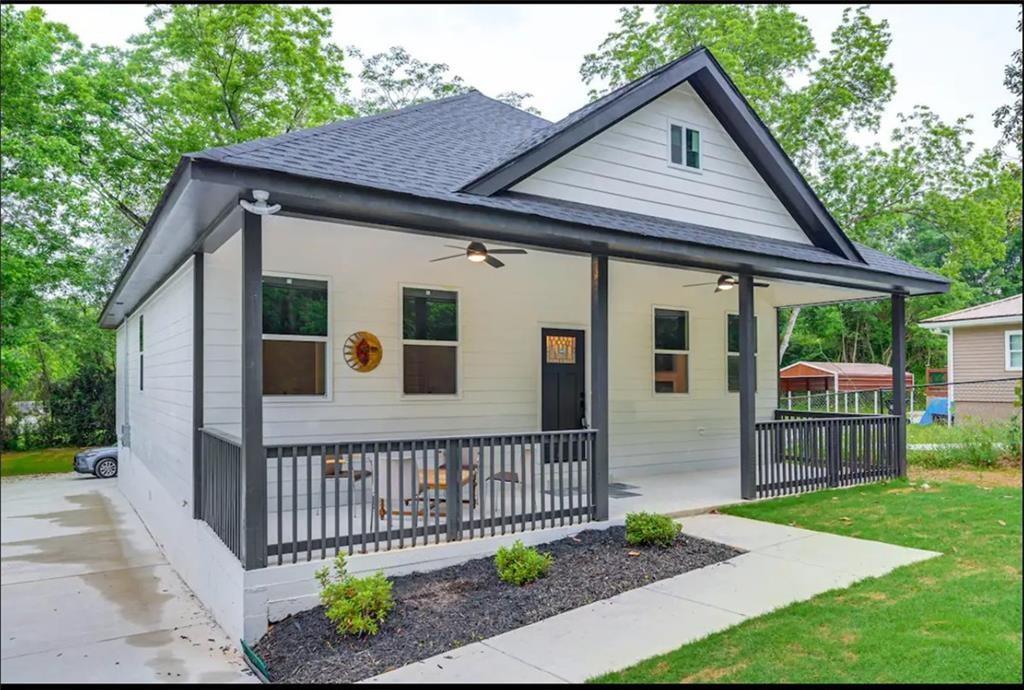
x=984, y=355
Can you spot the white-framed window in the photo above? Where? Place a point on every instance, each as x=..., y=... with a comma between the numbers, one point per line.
x=671, y=335
x=430, y=341
x=142, y=348
x=732, y=352
x=296, y=337
x=1013, y=350
x=684, y=146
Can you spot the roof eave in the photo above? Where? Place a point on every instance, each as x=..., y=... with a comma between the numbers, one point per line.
x=370, y=205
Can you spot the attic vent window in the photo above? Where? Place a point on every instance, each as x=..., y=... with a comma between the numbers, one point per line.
x=684, y=146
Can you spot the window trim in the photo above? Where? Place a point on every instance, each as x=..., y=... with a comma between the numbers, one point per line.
x=328, y=341
x=668, y=145
x=661, y=351
x=402, y=342
x=1007, y=335
x=729, y=353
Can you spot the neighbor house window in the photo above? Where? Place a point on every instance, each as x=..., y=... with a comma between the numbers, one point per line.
x=430, y=341
x=142, y=347
x=671, y=351
x=1013, y=350
x=295, y=336
x=684, y=146
x=733, y=352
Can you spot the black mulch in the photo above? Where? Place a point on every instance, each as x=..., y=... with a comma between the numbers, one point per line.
x=451, y=607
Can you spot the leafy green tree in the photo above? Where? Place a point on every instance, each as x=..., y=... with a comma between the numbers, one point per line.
x=926, y=197
x=1008, y=117
x=90, y=137
x=395, y=79
x=764, y=49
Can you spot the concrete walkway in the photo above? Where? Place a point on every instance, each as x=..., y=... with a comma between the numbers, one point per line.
x=87, y=597
x=782, y=565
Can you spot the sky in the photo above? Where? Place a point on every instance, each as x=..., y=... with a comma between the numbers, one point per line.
x=948, y=57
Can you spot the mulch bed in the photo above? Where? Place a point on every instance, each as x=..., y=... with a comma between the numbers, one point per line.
x=443, y=609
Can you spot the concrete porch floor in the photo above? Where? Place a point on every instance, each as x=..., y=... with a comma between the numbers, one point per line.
x=674, y=493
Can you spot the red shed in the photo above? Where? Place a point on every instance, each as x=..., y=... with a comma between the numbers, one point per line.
x=818, y=377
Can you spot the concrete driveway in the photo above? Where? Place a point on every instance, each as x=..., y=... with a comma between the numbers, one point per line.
x=86, y=596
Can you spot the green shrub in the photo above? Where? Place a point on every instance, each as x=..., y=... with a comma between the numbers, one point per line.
x=356, y=605
x=520, y=565
x=644, y=529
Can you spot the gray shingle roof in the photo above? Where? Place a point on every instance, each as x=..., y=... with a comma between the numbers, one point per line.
x=431, y=150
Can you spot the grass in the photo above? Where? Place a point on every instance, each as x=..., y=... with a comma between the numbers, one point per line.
x=955, y=618
x=45, y=461
x=969, y=445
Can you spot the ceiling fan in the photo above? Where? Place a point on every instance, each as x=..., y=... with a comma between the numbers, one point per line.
x=478, y=253
x=724, y=282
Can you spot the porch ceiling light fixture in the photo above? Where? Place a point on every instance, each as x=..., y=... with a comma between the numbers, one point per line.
x=478, y=253
x=260, y=206
x=724, y=282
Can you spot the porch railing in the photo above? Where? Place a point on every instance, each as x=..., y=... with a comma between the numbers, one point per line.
x=805, y=451
x=221, y=470
x=362, y=496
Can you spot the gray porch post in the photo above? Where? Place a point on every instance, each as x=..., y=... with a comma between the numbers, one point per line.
x=197, y=384
x=899, y=367
x=599, y=381
x=254, y=465
x=748, y=383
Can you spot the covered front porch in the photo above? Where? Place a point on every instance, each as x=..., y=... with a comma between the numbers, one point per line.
x=301, y=480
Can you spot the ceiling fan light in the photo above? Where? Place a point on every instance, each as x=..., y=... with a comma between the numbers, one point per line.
x=476, y=257
x=725, y=283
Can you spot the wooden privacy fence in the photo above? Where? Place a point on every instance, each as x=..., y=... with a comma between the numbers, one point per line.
x=362, y=496
x=807, y=451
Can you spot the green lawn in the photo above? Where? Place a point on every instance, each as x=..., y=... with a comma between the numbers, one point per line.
x=956, y=618
x=46, y=461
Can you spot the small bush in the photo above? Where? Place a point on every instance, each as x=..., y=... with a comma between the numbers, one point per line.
x=356, y=605
x=520, y=565
x=643, y=529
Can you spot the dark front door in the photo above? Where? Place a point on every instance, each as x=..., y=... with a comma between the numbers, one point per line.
x=563, y=380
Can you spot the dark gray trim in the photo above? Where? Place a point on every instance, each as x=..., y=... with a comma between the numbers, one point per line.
x=599, y=380
x=710, y=81
x=899, y=386
x=311, y=198
x=754, y=138
x=225, y=224
x=748, y=387
x=175, y=186
x=254, y=464
x=198, y=348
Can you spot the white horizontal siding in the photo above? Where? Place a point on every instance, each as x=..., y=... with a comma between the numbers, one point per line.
x=626, y=168
x=160, y=413
x=502, y=313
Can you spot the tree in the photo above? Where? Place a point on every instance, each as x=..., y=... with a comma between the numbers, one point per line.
x=90, y=137
x=517, y=99
x=764, y=48
x=395, y=79
x=1008, y=117
x=927, y=197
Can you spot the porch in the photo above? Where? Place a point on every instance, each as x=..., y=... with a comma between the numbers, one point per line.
x=370, y=496
x=281, y=486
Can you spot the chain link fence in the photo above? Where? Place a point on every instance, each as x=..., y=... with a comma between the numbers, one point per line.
x=985, y=400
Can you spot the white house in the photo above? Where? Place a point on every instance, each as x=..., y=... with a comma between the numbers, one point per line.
x=299, y=373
